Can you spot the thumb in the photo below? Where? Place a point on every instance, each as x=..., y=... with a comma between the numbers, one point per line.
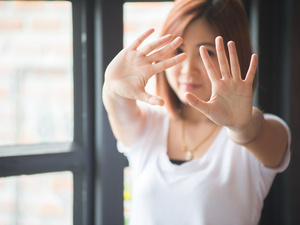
x=196, y=102
x=150, y=99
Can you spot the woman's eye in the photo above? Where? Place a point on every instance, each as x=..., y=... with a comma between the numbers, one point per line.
x=178, y=51
x=210, y=53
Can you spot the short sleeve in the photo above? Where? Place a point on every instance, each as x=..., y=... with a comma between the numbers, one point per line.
x=286, y=159
x=155, y=117
x=147, y=145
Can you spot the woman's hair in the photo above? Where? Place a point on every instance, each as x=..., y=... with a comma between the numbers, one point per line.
x=228, y=19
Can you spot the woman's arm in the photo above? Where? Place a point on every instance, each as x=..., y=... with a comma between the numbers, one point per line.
x=230, y=105
x=125, y=117
x=125, y=80
x=267, y=139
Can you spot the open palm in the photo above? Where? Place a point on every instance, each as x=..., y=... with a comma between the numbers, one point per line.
x=131, y=69
x=231, y=99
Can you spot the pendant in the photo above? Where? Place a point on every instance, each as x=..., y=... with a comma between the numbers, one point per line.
x=189, y=156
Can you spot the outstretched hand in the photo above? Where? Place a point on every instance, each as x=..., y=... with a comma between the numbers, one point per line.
x=131, y=69
x=231, y=99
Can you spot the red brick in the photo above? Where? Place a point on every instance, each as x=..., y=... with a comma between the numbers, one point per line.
x=129, y=27
x=10, y=24
x=46, y=24
x=2, y=4
x=50, y=209
x=28, y=4
x=4, y=93
x=148, y=6
x=28, y=49
x=62, y=5
x=63, y=48
x=63, y=183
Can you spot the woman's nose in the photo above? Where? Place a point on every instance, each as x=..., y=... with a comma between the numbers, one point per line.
x=191, y=65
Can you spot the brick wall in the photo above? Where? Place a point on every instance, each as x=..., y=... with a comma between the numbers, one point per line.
x=36, y=94
x=36, y=106
x=42, y=199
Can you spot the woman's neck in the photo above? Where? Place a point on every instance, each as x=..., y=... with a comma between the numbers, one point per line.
x=191, y=114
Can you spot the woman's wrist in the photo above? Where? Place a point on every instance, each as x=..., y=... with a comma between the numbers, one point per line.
x=249, y=132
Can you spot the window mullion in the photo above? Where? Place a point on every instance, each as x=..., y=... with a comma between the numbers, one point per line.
x=41, y=163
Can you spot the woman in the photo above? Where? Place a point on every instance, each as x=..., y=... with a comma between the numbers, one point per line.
x=199, y=151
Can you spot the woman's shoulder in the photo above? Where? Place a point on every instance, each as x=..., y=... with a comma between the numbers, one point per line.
x=154, y=130
x=154, y=112
x=276, y=118
x=270, y=116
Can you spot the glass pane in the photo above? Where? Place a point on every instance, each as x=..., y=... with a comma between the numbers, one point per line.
x=36, y=67
x=138, y=17
x=37, y=199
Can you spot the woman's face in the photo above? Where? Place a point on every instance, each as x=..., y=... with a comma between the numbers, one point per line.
x=191, y=75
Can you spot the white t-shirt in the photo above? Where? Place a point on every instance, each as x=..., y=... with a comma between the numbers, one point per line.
x=226, y=186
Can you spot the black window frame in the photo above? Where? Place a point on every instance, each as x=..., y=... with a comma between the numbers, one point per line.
x=77, y=156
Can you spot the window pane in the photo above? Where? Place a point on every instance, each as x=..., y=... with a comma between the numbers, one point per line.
x=138, y=17
x=36, y=83
x=37, y=199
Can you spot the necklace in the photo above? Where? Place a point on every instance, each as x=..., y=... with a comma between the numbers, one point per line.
x=189, y=155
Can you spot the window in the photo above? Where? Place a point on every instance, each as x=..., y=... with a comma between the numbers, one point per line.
x=36, y=88
x=136, y=21
x=37, y=199
x=46, y=116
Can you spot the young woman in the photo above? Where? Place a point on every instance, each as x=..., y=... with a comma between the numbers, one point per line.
x=199, y=151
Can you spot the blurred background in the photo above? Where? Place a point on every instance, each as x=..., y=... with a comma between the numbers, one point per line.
x=36, y=100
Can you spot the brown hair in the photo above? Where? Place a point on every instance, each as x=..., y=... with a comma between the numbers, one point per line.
x=227, y=17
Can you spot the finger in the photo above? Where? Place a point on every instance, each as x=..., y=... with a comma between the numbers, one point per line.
x=156, y=44
x=166, y=50
x=252, y=69
x=196, y=103
x=209, y=66
x=150, y=99
x=234, y=61
x=222, y=58
x=158, y=67
x=141, y=38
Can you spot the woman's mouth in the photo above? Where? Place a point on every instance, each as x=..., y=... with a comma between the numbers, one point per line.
x=189, y=86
